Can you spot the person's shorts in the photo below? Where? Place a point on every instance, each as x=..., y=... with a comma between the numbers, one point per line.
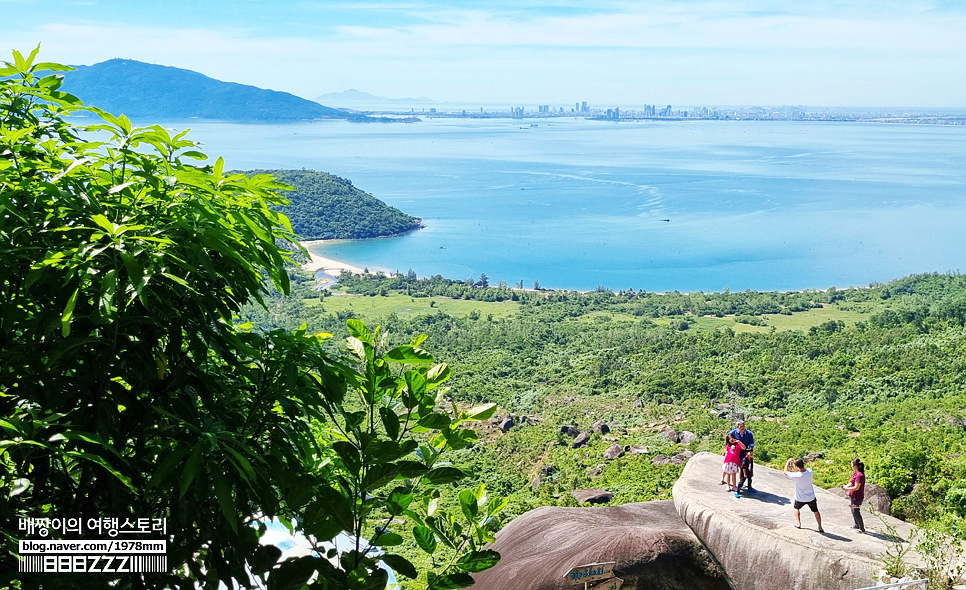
x=730, y=468
x=813, y=505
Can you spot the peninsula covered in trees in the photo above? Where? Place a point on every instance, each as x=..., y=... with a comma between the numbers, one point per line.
x=325, y=207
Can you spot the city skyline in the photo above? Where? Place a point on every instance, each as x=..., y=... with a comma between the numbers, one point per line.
x=695, y=52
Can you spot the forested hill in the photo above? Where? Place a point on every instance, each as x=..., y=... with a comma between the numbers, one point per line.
x=141, y=90
x=324, y=206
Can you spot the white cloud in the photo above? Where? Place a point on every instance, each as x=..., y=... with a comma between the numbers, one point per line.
x=704, y=52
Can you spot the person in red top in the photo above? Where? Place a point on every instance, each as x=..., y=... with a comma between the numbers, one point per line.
x=732, y=461
x=856, y=490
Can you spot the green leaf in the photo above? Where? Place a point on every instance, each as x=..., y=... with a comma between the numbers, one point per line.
x=120, y=187
x=468, y=504
x=358, y=329
x=425, y=539
x=68, y=313
x=410, y=355
x=103, y=463
x=349, y=455
x=390, y=421
x=483, y=412
x=399, y=500
x=191, y=469
x=358, y=347
x=434, y=421
x=388, y=540
x=411, y=468
x=452, y=581
x=379, y=475
x=444, y=475
x=400, y=564
x=225, y=499
x=438, y=373
x=416, y=384
x=338, y=507
x=462, y=438
x=167, y=465
x=20, y=485
x=292, y=574
x=495, y=506
x=477, y=561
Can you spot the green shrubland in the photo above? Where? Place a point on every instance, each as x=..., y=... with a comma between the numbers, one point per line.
x=874, y=372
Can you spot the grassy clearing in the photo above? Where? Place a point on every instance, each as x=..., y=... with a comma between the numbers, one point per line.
x=799, y=320
x=405, y=306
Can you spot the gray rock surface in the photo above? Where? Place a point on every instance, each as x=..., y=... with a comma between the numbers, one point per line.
x=754, y=540
x=614, y=451
x=581, y=440
x=592, y=496
x=875, y=497
x=652, y=548
x=687, y=438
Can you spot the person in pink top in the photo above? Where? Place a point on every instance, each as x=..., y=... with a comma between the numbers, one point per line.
x=856, y=490
x=732, y=461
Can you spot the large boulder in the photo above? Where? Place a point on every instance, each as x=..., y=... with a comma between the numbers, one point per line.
x=651, y=546
x=592, y=496
x=875, y=497
x=754, y=540
x=614, y=451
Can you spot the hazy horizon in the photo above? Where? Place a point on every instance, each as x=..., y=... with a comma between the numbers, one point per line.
x=693, y=52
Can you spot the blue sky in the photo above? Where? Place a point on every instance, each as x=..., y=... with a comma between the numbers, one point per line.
x=607, y=52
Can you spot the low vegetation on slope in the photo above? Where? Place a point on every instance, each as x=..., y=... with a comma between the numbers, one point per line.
x=876, y=373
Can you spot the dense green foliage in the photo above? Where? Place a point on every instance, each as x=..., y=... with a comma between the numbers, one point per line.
x=129, y=391
x=881, y=376
x=325, y=207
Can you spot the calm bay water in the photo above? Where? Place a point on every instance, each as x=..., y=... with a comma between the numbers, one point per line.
x=650, y=205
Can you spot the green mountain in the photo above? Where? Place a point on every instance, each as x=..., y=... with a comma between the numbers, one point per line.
x=324, y=206
x=141, y=90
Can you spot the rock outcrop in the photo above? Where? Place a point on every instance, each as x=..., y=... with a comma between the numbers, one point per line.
x=592, y=496
x=614, y=451
x=651, y=546
x=754, y=540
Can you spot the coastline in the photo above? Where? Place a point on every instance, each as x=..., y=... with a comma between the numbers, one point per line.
x=327, y=265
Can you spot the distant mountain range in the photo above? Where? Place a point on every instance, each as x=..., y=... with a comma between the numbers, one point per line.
x=353, y=97
x=141, y=90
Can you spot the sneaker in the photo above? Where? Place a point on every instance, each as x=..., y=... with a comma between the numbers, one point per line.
x=751, y=489
x=737, y=495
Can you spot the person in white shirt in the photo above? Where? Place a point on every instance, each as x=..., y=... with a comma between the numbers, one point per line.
x=804, y=491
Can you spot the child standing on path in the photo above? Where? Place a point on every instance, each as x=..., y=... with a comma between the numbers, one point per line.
x=732, y=461
x=856, y=490
x=804, y=491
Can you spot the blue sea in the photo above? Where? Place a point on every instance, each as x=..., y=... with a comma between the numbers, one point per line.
x=653, y=205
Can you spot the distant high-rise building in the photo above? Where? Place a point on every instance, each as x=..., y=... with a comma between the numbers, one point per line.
x=583, y=107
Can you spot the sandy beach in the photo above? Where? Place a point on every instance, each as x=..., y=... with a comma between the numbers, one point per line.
x=332, y=267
